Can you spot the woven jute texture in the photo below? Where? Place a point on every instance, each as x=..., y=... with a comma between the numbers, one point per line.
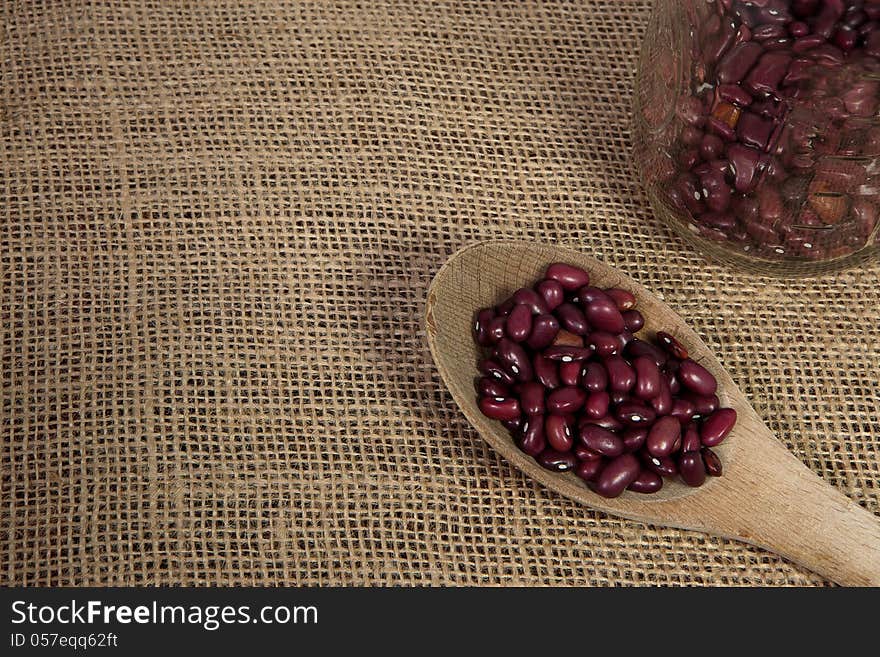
x=219, y=223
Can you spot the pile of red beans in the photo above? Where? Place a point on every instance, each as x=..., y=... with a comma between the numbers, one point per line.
x=779, y=145
x=578, y=391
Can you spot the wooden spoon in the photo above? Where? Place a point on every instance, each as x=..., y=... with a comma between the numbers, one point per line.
x=766, y=496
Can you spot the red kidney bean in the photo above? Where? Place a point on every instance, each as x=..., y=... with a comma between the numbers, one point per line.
x=531, y=398
x=567, y=354
x=514, y=358
x=692, y=469
x=572, y=319
x=634, y=414
x=570, y=373
x=601, y=441
x=594, y=377
x=608, y=422
x=513, y=425
x=497, y=408
x=682, y=410
x=744, y=162
x=519, y=323
x=623, y=299
x=481, y=327
x=619, y=397
x=663, y=402
x=717, y=426
x=570, y=277
x=589, y=470
x=531, y=438
x=626, y=337
x=662, y=436
x=544, y=331
x=490, y=387
x=616, y=476
x=546, y=372
x=633, y=321
x=634, y=439
x=690, y=441
x=494, y=370
x=703, y=406
x=664, y=466
x=647, y=482
x=621, y=376
x=671, y=345
x=638, y=348
x=584, y=453
x=552, y=292
x=596, y=406
x=647, y=378
x=557, y=431
x=672, y=381
x=604, y=344
x=737, y=62
x=604, y=315
x=557, y=461
x=588, y=294
x=712, y=463
x=569, y=399
x=697, y=378
x=532, y=300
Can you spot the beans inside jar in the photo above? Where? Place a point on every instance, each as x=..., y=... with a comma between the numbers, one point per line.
x=778, y=138
x=578, y=391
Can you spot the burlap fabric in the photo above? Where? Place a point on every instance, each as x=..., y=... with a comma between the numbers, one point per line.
x=219, y=222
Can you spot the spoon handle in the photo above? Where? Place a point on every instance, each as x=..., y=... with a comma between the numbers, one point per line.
x=774, y=501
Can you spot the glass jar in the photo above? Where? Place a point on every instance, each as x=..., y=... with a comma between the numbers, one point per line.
x=756, y=129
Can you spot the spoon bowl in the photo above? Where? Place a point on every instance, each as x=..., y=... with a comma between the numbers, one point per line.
x=766, y=497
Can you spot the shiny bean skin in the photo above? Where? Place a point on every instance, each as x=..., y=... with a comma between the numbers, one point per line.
x=703, y=406
x=584, y=453
x=634, y=414
x=519, y=323
x=634, y=439
x=690, y=441
x=589, y=470
x=662, y=465
x=604, y=344
x=647, y=482
x=532, y=300
x=672, y=346
x=558, y=433
x=569, y=399
x=571, y=278
x=621, y=376
x=623, y=299
x=481, y=327
x=616, y=476
x=692, y=469
x=498, y=408
x=682, y=410
x=513, y=425
x=619, y=397
x=546, y=372
x=633, y=320
x=570, y=373
x=647, y=378
x=544, y=331
x=557, y=461
x=495, y=371
x=717, y=426
x=637, y=348
x=588, y=294
x=603, y=315
x=594, y=377
x=697, y=378
x=597, y=404
x=608, y=422
x=712, y=463
x=490, y=387
x=662, y=436
x=571, y=318
x=567, y=354
x=531, y=438
x=663, y=403
x=552, y=292
x=601, y=441
x=531, y=398
x=513, y=357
